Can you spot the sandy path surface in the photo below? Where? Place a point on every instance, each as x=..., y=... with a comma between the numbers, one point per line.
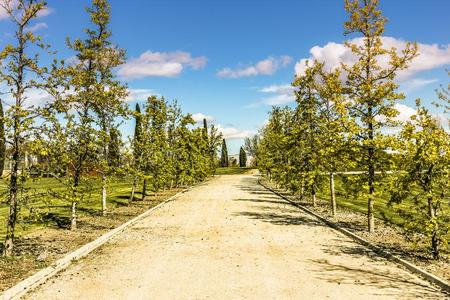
x=232, y=239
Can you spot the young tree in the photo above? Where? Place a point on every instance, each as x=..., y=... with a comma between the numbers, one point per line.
x=109, y=93
x=20, y=73
x=214, y=142
x=183, y=150
x=154, y=146
x=137, y=145
x=251, y=146
x=307, y=132
x=89, y=109
x=423, y=178
x=224, y=155
x=337, y=150
x=273, y=150
x=371, y=87
x=2, y=139
x=242, y=158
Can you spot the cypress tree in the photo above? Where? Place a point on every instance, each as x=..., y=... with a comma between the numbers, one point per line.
x=242, y=158
x=224, y=156
x=205, y=129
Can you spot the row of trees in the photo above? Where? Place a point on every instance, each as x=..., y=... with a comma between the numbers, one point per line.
x=168, y=150
x=75, y=135
x=342, y=122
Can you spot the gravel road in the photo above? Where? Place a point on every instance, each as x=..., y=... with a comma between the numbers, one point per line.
x=232, y=239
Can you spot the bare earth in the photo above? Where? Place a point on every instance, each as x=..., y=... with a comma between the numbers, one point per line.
x=232, y=239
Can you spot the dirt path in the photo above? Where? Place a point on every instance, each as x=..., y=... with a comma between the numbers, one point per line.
x=231, y=239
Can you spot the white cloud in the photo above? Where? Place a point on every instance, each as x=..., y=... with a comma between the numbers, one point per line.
x=139, y=94
x=160, y=64
x=417, y=83
x=198, y=117
x=37, y=26
x=33, y=97
x=232, y=133
x=405, y=112
x=267, y=66
x=229, y=132
x=431, y=56
x=280, y=95
x=43, y=13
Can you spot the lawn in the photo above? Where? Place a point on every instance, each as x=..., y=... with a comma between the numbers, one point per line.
x=359, y=204
x=45, y=210
x=232, y=170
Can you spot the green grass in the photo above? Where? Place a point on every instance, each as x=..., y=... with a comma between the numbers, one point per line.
x=359, y=204
x=232, y=170
x=45, y=210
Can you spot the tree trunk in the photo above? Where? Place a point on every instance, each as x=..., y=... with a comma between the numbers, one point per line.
x=332, y=195
x=371, y=200
x=434, y=237
x=313, y=194
x=133, y=190
x=13, y=191
x=371, y=175
x=104, y=208
x=73, y=219
x=11, y=223
x=76, y=183
x=144, y=189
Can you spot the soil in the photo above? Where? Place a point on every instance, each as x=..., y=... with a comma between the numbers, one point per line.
x=232, y=239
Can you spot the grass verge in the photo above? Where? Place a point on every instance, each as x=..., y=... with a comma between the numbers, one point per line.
x=42, y=241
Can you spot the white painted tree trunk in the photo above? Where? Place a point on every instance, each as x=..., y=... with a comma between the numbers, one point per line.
x=73, y=219
x=26, y=160
x=104, y=195
x=332, y=195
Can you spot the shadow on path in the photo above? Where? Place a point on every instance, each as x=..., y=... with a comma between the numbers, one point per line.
x=268, y=207
x=340, y=274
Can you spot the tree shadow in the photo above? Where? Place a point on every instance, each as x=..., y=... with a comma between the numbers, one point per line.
x=60, y=221
x=90, y=211
x=272, y=200
x=340, y=274
x=268, y=208
x=355, y=250
x=120, y=203
x=278, y=218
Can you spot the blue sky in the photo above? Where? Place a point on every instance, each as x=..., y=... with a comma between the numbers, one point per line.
x=231, y=59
